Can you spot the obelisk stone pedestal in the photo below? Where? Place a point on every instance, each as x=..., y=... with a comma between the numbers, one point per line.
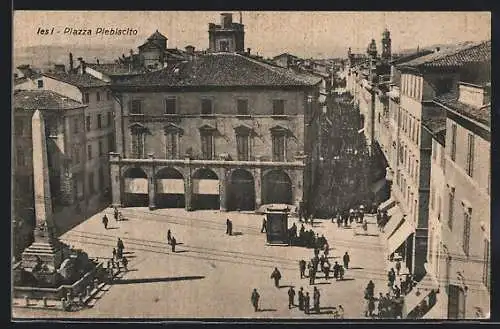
x=46, y=251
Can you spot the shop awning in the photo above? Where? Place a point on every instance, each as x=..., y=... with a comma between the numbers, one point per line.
x=419, y=293
x=377, y=186
x=387, y=204
x=399, y=236
x=393, y=222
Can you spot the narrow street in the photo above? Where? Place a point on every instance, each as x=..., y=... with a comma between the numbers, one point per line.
x=212, y=274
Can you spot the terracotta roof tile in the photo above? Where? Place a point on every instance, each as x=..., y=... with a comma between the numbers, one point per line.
x=79, y=80
x=220, y=69
x=116, y=69
x=450, y=100
x=43, y=100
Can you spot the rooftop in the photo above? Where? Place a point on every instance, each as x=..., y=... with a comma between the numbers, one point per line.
x=436, y=125
x=221, y=69
x=481, y=114
x=79, y=80
x=43, y=100
x=453, y=56
x=157, y=36
x=116, y=69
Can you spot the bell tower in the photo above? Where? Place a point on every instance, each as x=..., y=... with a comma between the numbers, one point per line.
x=386, y=45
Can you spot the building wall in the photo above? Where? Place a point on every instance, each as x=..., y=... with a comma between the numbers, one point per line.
x=225, y=120
x=470, y=194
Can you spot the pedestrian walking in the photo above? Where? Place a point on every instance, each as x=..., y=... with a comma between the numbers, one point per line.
x=105, y=221
x=312, y=275
x=227, y=226
x=264, y=225
x=398, y=267
x=230, y=227
x=336, y=270
x=302, y=267
x=120, y=247
x=169, y=236
x=301, y=299
x=370, y=289
x=291, y=297
x=307, y=301
x=125, y=263
x=346, y=260
x=391, y=277
x=341, y=272
x=114, y=253
x=326, y=270
x=276, y=275
x=115, y=213
x=340, y=312
x=173, y=242
x=316, y=297
x=255, y=300
x=370, y=307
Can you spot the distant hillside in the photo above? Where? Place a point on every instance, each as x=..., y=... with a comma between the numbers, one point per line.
x=47, y=56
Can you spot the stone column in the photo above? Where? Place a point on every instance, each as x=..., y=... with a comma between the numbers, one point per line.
x=223, y=183
x=258, y=186
x=116, y=179
x=188, y=186
x=151, y=183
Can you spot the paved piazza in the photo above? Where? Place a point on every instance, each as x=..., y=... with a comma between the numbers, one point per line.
x=212, y=275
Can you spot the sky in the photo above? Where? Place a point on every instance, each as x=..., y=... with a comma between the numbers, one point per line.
x=305, y=34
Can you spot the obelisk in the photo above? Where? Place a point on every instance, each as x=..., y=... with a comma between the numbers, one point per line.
x=46, y=248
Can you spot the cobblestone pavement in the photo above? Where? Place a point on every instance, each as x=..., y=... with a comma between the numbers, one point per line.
x=211, y=274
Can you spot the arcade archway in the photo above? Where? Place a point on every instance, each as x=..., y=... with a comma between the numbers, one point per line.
x=169, y=188
x=276, y=188
x=135, y=188
x=205, y=189
x=241, y=191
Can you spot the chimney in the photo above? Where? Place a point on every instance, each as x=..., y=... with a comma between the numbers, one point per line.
x=226, y=19
x=97, y=60
x=248, y=50
x=82, y=65
x=71, y=65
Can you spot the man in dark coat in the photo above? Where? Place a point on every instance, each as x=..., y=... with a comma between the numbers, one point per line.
x=264, y=225
x=173, y=242
x=115, y=213
x=302, y=267
x=230, y=227
x=255, y=300
x=105, y=221
x=227, y=225
x=370, y=289
x=336, y=270
x=312, y=275
x=346, y=260
x=120, y=247
x=169, y=236
x=326, y=270
x=301, y=299
x=307, y=301
x=316, y=296
x=276, y=275
x=125, y=263
x=291, y=297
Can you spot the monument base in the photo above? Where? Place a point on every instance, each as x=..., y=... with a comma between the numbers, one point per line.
x=46, y=253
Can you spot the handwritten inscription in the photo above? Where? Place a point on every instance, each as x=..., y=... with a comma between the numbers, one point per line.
x=74, y=31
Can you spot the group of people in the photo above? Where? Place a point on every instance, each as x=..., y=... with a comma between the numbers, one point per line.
x=346, y=216
x=322, y=264
x=118, y=256
x=117, y=215
x=382, y=219
x=307, y=239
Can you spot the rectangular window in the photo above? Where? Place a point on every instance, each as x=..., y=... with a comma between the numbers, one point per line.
x=453, y=150
x=451, y=206
x=86, y=98
x=88, y=124
x=138, y=145
x=242, y=107
x=76, y=127
x=170, y=105
x=99, y=121
x=207, y=146
x=20, y=158
x=19, y=126
x=486, y=264
x=98, y=96
x=171, y=145
x=206, y=106
x=242, y=142
x=466, y=232
x=101, y=151
x=135, y=106
x=91, y=183
x=470, y=155
x=279, y=148
x=111, y=142
x=278, y=107
x=110, y=119
x=89, y=152
x=40, y=84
